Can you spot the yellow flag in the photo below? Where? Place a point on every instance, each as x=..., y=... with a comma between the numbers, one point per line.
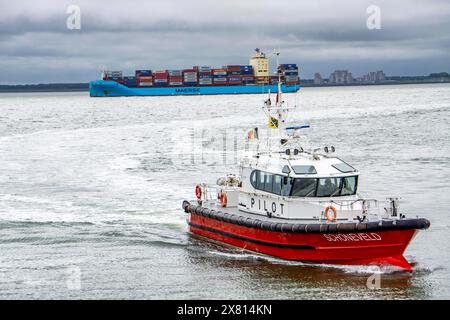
x=273, y=122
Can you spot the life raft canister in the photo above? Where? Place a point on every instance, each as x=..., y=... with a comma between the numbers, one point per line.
x=223, y=199
x=198, y=192
x=330, y=216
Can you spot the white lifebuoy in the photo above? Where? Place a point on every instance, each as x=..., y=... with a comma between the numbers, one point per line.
x=330, y=216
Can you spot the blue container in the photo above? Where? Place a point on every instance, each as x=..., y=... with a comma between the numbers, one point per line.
x=291, y=73
x=219, y=76
x=289, y=66
x=190, y=83
x=130, y=83
x=143, y=73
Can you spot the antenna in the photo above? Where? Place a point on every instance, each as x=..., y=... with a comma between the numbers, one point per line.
x=277, y=54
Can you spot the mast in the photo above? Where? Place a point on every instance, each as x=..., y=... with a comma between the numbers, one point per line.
x=277, y=114
x=277, y=53
x=280, y=109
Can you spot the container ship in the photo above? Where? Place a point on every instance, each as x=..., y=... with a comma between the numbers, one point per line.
x=200, y=80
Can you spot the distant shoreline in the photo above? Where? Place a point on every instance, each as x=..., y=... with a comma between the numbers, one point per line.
x=384, y=83
x=84, y=87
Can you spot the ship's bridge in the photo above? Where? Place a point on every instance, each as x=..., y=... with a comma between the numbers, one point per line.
x=301, y=175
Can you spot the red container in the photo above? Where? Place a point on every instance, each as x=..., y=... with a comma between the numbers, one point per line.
x=220, y=83
x=145, y=78
x=234, y=68
x=189, y=70
x=160, y=74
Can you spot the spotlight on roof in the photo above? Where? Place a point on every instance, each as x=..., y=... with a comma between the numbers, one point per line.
x=329, y=149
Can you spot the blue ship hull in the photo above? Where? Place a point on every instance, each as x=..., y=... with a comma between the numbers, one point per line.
x=103, y=88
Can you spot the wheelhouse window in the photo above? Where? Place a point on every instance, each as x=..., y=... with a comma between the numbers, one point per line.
x=304, y=169
x=303, y=187
x=344, y=167
x=277, y=184
x=328, y=187
x=267, y=182
x=268, y=179
x=348, y=186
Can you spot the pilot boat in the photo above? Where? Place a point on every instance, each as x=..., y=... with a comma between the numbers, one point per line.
x=300, y=204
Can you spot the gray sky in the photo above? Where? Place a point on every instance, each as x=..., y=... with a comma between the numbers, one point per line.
x=320, y=36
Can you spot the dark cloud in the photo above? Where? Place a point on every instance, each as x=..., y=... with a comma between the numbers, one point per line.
x=36, y=46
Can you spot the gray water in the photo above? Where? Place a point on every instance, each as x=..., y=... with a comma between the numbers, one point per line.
x=91, y=192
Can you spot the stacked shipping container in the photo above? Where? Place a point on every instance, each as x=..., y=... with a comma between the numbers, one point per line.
x=289, y=73
x=160, y=78
x=190, y=77
x=144, y=78
x=113, y=76
x=220, y=76
x=175, y=77
x=204, y=76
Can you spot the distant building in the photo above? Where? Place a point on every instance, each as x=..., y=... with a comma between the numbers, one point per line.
x=341, y=77
x=318, y=79
x=345, y=77
x=380, y=76
x=374, y=77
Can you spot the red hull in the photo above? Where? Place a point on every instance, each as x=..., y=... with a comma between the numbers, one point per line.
x=365, y=247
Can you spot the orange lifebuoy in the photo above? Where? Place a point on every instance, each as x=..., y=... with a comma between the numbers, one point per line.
x=223, y=199
x=330, y=217
x=198, y=192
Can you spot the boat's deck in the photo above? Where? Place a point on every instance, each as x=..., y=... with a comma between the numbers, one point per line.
x=236, y=211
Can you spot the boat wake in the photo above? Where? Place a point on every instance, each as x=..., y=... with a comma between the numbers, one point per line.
x=418, y=267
